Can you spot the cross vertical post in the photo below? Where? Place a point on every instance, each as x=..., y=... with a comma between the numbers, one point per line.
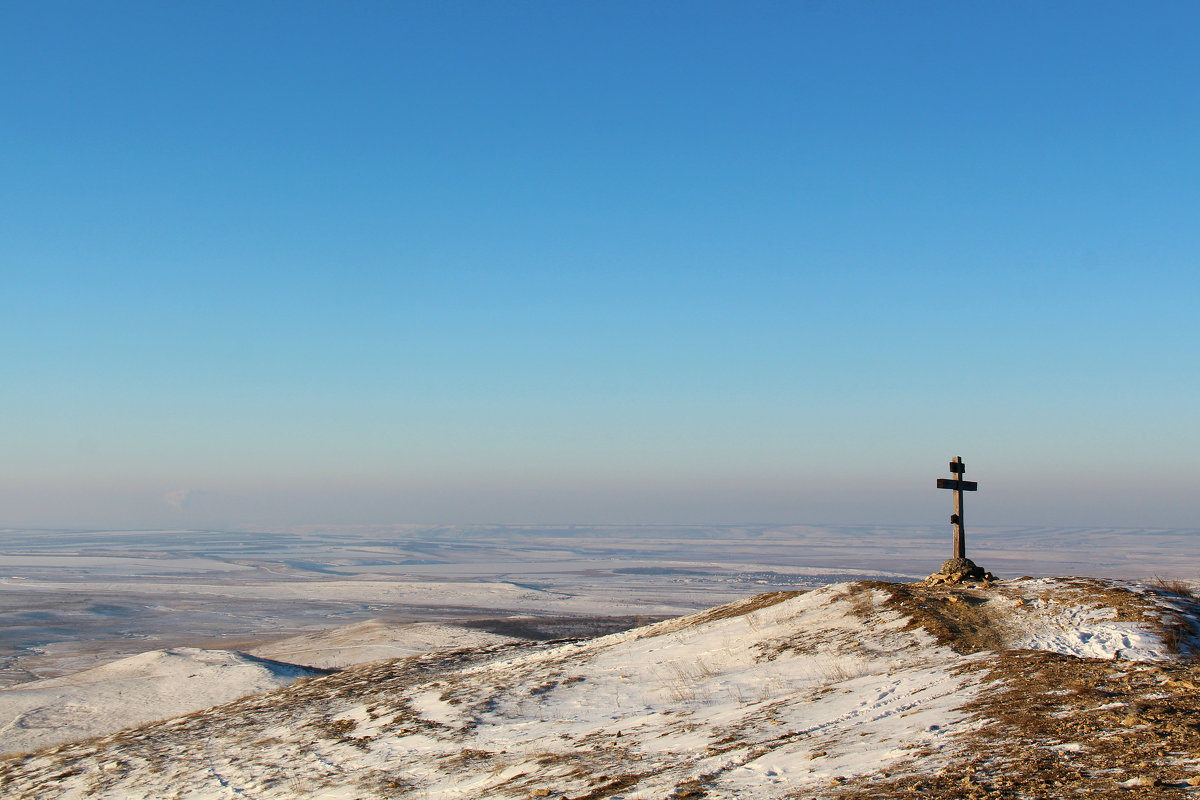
x=960, y=531
x=957, y=468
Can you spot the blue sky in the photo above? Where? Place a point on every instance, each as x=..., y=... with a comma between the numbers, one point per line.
x=267, y=263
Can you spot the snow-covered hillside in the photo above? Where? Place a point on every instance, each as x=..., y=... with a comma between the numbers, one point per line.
x=132, y=691
x=374, y=640
x=166, y=683
x=864, y=689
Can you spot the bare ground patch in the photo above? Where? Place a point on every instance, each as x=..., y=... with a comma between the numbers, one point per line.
x=1059, y=726
x=962, y=618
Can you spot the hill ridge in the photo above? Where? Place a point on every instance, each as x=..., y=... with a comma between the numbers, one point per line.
x=860, y=689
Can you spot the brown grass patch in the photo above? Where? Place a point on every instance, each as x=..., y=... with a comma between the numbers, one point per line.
x=1058, y=726
x=1173, y=587
x=738, y=608
x=958, y=617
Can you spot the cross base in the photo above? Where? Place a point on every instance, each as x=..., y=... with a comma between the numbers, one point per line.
x=960, y=570
x=962, y=566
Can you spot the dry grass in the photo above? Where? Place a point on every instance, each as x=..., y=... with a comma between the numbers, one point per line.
x=728, y=611
x=1173, y=587
x=958, y=617
x=1058, y=726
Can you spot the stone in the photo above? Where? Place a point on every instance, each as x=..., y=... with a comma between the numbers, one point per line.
x=953, y=566
x=963, y=569
x=958, y=570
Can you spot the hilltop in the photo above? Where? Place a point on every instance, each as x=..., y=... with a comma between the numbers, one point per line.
x=1030, y=687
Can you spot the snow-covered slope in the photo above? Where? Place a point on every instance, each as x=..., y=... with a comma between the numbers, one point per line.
x=132, y=691
x=864, y=689
x=374, y=640
x=165, y=683
x=1086, y=618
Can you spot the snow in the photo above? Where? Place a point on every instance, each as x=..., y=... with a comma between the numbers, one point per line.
x=675, y=691
x=374, y=640
x=154, y=685
x=1056, y=617
x=125, y=565
x=770, y=697
x=71, y=600
x=164, y=683
x=502, y=596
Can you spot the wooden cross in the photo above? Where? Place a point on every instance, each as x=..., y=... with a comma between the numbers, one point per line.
x=959, y=486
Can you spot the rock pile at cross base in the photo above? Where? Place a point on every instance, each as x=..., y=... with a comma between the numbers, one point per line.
x=960, y=570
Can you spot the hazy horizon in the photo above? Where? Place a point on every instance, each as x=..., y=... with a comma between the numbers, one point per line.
x=915, y=502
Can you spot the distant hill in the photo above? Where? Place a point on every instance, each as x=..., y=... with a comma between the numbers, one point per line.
x=131, y=691
x=1025, y=688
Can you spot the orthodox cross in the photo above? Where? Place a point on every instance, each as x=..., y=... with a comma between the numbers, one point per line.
x=959, y=486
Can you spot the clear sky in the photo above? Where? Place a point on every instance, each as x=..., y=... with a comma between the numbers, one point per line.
x=269, y=262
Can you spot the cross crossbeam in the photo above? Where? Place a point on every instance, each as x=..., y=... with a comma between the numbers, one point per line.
x=962, y=486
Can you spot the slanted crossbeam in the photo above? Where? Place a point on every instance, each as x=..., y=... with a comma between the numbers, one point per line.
x=957, y=468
